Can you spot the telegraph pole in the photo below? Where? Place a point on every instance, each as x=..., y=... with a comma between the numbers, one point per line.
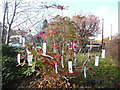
x=111, y=31
x=102, y=32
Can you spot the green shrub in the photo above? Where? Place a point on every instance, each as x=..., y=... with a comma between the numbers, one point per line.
x=8, y=51
x=9, y=70
x=11, y=73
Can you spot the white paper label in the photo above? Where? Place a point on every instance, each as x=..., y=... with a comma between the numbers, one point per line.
x=28, y=52
x=29, y=59
x=20, y=39
x=70, y=66
x=18, y=58
x=44, y=48
x=96, y=60
x=23, y=41
x=88, y=52
x=56, y=70
x=85, y=71
x=62, y=60
x=62, y=63
x=103, y=53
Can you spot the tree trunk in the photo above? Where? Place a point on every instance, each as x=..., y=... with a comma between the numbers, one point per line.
x=2, y=32
x=8, y=35
x=10, y=24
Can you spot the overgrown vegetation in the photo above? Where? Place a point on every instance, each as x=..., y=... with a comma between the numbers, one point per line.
x=113, y=50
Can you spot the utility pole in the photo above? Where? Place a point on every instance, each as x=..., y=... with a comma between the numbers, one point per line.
x=111, y=31
x=102, y=32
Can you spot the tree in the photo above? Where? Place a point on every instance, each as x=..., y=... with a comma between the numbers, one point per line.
x=60, y=30
x=87, y=26
x=68, y=36
x=25, y=15
x=80, y=28
x=10, y=21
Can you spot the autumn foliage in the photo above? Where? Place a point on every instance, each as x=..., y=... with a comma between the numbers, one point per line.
x=64, y=37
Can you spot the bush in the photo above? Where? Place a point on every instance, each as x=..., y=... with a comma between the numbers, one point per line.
x=10, y=72
x=8, y=51
x=112, y=49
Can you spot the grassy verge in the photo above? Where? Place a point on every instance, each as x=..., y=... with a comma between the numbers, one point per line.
x=106, y=75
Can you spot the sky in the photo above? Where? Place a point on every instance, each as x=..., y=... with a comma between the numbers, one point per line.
x=104, y=9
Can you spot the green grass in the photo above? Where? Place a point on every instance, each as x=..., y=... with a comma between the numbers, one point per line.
x=106, y=75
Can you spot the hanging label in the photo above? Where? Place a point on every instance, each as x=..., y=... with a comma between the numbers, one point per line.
x=44, y=48
x=23, y=39
x=96, y=60
x=56, y=70
x=20, y=39
x=62, y=60
x=70, y=67
x=29, y=59
x=18, y=58
x=85, y=71
x=103, y=53
x=62, y=63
